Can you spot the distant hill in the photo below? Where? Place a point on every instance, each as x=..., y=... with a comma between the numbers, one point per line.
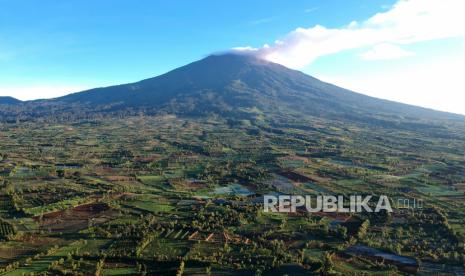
x=9, y=100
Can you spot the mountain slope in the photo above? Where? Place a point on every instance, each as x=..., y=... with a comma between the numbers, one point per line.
x=9, y=100
x=235, y=86
x=226, y=83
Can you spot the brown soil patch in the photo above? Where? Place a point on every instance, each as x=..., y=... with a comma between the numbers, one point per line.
x=295, y=176
x=77, y=218
x=36, y=241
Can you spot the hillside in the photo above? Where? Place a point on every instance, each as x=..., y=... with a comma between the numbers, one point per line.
x=9, y=100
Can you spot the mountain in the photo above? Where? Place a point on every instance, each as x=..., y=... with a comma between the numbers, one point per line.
x=9, y=100
x=236, y=85
x=229, y=82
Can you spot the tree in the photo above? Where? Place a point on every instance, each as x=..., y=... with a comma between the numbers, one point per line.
x=180, y=271
x=328, y=265
x=362, y=231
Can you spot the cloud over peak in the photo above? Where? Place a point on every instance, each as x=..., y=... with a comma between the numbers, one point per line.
x=385, y=51
x=407, y=22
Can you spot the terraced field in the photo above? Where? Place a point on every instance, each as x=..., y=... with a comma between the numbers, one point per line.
x=186, y=194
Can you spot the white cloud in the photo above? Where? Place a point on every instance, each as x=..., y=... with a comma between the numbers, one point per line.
x=246, y=49
x=312, y=9
x=385, y=51
x=407, y=22
x=39, y=91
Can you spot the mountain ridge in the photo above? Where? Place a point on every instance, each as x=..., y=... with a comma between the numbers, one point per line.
x=225, y=83
x=9, y=100
x=227, y=73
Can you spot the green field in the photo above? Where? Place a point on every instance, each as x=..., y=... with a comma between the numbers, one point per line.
x=187, y=192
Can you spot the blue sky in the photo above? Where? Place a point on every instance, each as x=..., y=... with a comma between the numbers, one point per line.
x=50, y=48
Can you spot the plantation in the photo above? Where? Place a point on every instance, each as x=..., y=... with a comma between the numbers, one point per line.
x=5, y=229
x=186, y=194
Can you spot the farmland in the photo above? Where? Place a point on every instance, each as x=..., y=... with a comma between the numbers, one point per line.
x=168, y=195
